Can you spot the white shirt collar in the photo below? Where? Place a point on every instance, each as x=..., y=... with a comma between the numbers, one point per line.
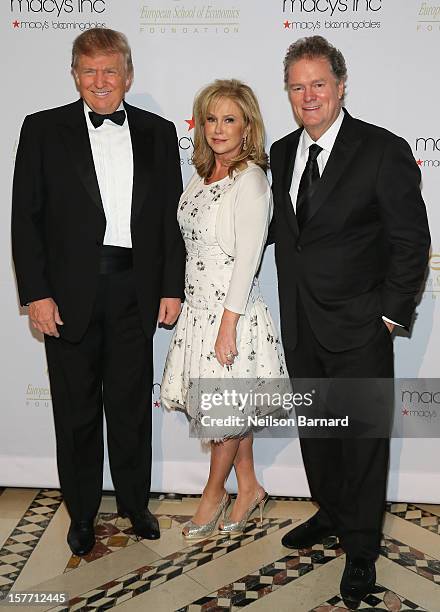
x=327, y=140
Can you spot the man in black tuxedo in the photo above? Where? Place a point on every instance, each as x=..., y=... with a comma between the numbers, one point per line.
x=351, y=247
x=99, y=259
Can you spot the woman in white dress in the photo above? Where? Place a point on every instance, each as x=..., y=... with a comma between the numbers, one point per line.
x=225, y=332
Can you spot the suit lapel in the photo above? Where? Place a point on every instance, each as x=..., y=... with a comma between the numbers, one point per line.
x=141, y=142
x=76, y=139
x=343, y=151
x=291, y=148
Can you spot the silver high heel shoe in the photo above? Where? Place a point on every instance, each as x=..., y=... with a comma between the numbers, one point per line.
x=198, y=532
x=231, y=528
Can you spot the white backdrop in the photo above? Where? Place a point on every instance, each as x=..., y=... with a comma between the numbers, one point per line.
x=391, y=48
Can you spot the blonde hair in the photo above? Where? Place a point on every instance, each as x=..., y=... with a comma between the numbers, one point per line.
x=102, y=40
x=203, y=156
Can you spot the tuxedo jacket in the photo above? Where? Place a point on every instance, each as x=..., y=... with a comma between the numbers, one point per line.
x=58, y=220
x=363, y=250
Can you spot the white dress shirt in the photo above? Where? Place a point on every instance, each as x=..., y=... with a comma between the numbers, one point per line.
x=113, y=158
x=326, y=141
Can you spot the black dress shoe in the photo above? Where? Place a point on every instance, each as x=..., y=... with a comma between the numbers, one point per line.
x=145, y=525
x=81, y=537
x=309, y=533
x=358, y=580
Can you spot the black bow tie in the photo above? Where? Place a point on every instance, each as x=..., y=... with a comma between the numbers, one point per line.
x=97, y=119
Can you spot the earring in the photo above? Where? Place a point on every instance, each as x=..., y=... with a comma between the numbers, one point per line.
x=244, y=142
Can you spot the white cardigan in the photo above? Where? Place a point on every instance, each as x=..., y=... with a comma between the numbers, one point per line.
x=241, y=230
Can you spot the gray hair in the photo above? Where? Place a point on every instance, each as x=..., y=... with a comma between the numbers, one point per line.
x=314, y=47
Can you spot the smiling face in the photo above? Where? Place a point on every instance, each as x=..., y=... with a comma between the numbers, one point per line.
x=102, y=81
x=225, y=129
x=315, y=94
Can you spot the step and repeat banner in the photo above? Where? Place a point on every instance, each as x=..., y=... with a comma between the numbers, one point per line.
x=391, y=48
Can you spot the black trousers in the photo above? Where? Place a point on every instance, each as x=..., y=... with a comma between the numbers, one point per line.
x=347, y=476
x=111, y=368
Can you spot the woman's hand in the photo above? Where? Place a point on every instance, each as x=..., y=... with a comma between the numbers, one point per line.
x=225, y=346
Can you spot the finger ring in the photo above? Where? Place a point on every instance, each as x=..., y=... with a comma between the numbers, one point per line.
x=229, y=355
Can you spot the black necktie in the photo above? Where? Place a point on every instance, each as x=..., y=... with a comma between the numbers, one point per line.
x=305, y=190
x=97, y=119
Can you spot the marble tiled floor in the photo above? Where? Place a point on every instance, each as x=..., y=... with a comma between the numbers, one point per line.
x=251, y=571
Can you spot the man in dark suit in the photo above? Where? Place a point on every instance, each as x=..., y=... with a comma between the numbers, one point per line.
x=351, y=247
x=99, y=259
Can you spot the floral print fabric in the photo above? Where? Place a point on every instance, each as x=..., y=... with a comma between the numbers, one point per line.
x=191, y=358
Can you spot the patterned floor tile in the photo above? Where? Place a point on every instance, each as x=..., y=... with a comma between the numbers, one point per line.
x=267, y=579
x=417, y=516
x=380, y=599
x=412, y=559
x=114, y=533
x=180, y=497
x=173, y=565
x=21, y=543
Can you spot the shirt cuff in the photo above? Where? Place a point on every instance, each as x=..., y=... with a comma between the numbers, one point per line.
x=390, y=321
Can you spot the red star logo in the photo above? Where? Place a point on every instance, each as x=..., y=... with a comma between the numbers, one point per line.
x=191, y=123
x=420, y=162
x=405, y=411
x=286, y=24
x=156, y=404
x=16, y=24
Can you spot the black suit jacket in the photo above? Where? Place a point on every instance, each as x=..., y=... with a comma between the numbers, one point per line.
x=363, y=251
x=58, y=220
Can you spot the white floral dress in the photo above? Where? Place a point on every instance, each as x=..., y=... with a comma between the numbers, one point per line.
x=191, y=358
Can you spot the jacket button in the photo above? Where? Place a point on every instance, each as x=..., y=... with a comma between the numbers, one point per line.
x=298, y=248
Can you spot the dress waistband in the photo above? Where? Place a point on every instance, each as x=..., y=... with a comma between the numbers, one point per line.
x=201, y=302
x=208, y=252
